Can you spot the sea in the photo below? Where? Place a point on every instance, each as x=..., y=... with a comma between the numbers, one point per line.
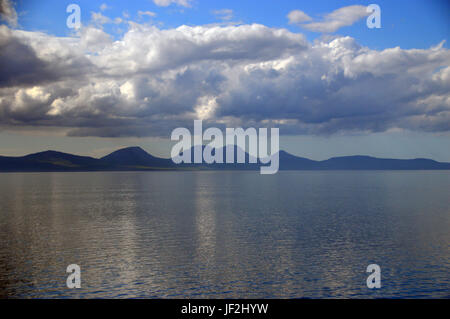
x=225, y=234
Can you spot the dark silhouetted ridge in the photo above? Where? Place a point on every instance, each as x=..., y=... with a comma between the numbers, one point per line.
x=135, y=158
x=50, y=161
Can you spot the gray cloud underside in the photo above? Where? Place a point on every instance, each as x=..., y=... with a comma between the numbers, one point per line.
x=8, y=13
x=152, y=81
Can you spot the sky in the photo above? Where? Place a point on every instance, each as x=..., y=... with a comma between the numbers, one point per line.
x=136, y=70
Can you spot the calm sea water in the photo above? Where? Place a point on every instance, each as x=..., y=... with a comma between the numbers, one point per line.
x=225, y=234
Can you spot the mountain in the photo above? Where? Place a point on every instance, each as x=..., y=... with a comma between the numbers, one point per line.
x=291, y=162
x=50, y=161
x=136, y=159
x=372, y=163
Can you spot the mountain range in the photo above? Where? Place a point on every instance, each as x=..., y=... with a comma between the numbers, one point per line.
x=136, y=159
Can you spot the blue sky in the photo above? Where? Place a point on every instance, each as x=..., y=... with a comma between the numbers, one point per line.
x=131, y=74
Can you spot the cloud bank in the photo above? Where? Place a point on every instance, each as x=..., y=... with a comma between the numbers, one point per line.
x=151, y=81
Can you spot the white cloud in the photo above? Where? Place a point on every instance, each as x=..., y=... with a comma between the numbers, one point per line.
x=99, y=19
x=333, y=21
x=297, y=16
x=147, y=13
x=93, y=39
x=104, y=7
x=166, y=3
x=224, y=14
x=118, y=20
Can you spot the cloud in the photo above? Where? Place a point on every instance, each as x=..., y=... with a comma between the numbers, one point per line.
x=166, y=3
x=146, y=13
x=104, y=7
x=99, y=19
x=333, y=21
x=152, y=80
x=224, y=14
x=40, y=59
x=297, y=16
x=93, y=39
x=8, y=13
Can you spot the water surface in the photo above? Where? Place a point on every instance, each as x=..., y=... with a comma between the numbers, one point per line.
x=225, y=234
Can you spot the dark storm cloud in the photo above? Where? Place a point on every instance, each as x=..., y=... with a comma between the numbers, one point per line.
x=20, y=65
